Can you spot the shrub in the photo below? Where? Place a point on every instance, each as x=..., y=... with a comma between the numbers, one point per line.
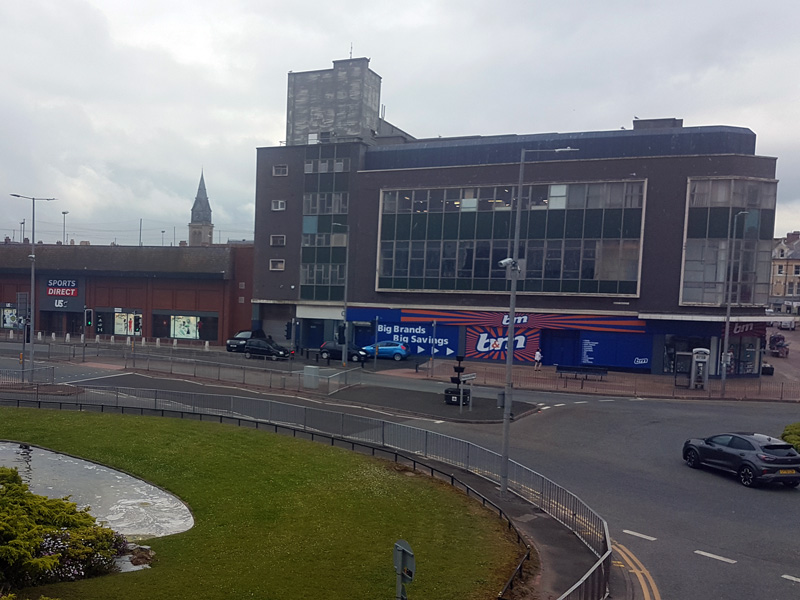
x=46, y=540
x=792, y=435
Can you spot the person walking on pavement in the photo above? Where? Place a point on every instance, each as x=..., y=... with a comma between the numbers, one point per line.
x=537, y=360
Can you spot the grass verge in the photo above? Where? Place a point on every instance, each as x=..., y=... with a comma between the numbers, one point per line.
x=277, y=517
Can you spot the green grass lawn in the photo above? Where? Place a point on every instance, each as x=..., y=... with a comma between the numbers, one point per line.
x=277, y=517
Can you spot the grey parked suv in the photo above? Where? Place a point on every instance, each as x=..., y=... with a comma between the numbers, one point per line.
x=755, y=458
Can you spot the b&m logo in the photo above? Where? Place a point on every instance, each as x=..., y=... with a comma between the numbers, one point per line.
x=641, y=360
x=490, y=343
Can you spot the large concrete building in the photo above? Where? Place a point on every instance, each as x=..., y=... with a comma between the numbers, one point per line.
x=629, y=240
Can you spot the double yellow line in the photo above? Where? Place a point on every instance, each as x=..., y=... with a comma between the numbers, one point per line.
x=634, y=565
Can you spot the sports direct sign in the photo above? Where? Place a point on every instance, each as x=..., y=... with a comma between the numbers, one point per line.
x=61, y=295
x=62, y=287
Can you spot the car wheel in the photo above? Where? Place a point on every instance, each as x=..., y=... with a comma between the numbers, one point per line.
x=791, y=484
x=355, y=358
x=398, y=357
x=325, y=355
x=248, y=355
x=274, y=357
x=692, y=458
x=747, y=477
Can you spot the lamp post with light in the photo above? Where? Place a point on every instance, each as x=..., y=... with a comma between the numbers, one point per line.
x=729, y=275
x=65, y=213
x=513, y=265
x=344, y=298
x=32, y=257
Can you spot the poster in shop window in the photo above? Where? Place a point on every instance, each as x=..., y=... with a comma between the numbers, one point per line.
x=123, y=324
x=185, y=328
x=9, y=317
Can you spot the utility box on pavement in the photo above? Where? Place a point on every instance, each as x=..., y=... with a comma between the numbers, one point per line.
x=453, y=395
x=310, y=377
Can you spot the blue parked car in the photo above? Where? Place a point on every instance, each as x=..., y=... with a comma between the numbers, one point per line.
x=393, y=350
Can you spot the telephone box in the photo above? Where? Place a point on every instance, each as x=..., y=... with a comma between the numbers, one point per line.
x=698, y=376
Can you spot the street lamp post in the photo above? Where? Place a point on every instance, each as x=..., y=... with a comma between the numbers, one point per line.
x=513, y=265
x=65, y=213
x=729, y=276
x=344, y=298
x=32, y=257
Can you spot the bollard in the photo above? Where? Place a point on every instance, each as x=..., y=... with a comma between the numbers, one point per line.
x=52, y=336
x=206, y=348
x=158, y=342
x=175, y=343
x=66, y=339
x=112, y=339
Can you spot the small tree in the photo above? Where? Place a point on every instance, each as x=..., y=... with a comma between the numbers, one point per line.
x=46, y=540
x=792, y=435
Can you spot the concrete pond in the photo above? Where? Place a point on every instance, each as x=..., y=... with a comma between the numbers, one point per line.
x=130, y=506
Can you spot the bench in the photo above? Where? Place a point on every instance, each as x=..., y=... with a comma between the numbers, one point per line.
x=582, y=371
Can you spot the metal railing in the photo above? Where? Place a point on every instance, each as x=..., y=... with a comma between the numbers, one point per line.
x=541, y=492
x=19, y=377
x=628, y=384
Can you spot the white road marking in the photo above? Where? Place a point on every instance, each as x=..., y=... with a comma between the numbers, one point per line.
x=560, y=405
x=540, y=404
x=790, y=578
x=641, y=535
x=546, y=407
x=101, y=375
x=582, y=402
x=607, y=400
x=715, y=557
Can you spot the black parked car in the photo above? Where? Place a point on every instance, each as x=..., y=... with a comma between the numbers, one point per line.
x=237, y=342
x=334, y=350
x=265, y=348
x=755, y=458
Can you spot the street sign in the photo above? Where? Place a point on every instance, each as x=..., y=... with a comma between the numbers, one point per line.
x=468, y=376
x=404, y=566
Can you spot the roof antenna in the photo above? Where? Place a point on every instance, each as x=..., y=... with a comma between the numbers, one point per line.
x=351, y=50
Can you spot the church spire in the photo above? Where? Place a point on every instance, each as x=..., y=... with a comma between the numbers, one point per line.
x=201, y=210
x=201, y=229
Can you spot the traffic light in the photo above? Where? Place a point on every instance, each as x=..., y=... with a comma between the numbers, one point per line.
x=88, y=315
x=137, y=324
x=288, y=330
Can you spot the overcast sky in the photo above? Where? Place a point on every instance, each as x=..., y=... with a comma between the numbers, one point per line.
x=115, y=106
